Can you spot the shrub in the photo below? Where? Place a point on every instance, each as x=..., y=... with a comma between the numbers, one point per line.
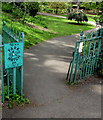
x=77, y=16
x=14, y=100
x=99, y=20
x=7, y=7
x=49, y=10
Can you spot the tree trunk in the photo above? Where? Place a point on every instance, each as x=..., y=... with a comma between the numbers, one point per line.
x=78, y=6
x=56, y=11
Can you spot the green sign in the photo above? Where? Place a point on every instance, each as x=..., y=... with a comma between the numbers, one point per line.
x=13, y=53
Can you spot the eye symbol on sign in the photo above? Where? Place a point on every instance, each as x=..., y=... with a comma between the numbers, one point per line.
x=14, y=54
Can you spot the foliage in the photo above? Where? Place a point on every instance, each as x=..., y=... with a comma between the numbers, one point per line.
x=33, y=8
x=73, y=83
x=21, y=9
x=14, y=99
x=100, y=6
x=63, y=7
x=78, y=16
x=7, y=7
x=57, y=5
x=92, y=7
x=89, y=5
x=99, y=20
x=100, y=13
x=54, y=7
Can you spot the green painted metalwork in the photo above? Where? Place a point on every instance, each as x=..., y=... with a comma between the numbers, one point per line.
x=13, y=54
x=86, y=57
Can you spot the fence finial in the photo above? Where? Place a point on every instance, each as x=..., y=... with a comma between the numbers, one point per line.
x=4, y=23
x=22, y=35
x=81, y=35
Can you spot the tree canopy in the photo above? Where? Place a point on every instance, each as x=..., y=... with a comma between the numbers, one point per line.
x=21, y=9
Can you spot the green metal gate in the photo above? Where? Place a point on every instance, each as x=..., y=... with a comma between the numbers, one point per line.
x=12, y=47
x=86, y=56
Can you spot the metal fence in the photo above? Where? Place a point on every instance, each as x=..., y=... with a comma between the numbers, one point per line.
x=12, y=49
x=86, y=57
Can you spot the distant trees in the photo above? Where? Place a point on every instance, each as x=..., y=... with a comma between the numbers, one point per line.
x=89, y=5
x=100, y=12
x=93, y=7
x=53, y=7
x=57, y=5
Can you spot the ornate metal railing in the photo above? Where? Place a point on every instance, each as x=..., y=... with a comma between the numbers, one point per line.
x=86, y=57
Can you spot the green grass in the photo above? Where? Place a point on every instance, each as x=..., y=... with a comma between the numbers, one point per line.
x=61, y=26
x=64, y=15
x=66, y=27
x=90, y=17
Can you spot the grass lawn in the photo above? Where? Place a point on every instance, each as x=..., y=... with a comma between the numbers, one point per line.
x=65, y=27
x=61, y=26
x=90, y=17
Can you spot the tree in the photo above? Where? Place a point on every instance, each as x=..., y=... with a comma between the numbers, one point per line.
x=99, y=19
x=77, y=15
x=33, y=8
x=57, y=6
x=89, y=5
x=30, y=8
x=21, y=9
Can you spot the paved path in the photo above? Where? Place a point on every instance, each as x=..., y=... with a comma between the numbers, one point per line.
x=46, y=66
x=48, y=14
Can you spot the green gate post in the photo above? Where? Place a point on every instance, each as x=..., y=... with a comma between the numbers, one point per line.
x=22, y=67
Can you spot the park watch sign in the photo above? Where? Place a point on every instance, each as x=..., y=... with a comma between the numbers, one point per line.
x=13, y=55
